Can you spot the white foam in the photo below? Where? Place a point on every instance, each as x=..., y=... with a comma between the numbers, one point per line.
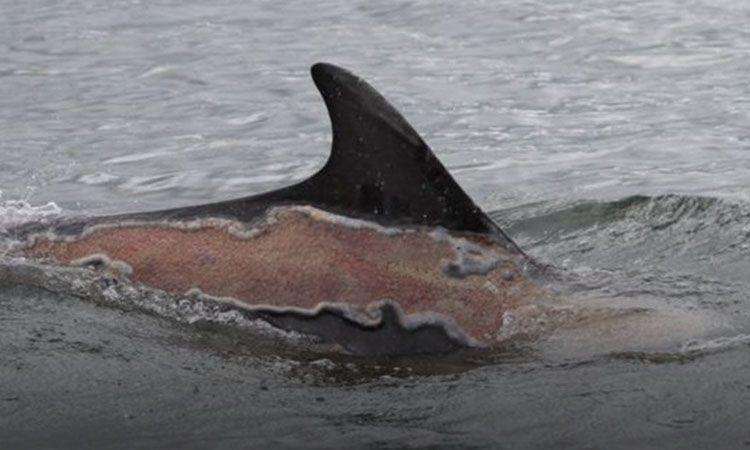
x=717, y=344
x=18, y=212
x=15, y=213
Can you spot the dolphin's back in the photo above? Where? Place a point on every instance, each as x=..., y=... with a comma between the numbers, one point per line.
x=380, y=251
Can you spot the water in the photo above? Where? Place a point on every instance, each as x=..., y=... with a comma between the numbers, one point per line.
x=610, y=139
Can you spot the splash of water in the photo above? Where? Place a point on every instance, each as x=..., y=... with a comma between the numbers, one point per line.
x=18, y=212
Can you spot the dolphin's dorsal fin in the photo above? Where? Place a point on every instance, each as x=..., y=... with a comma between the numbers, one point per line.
x=380, y=167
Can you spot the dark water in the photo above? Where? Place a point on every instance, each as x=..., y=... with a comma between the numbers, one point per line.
x=609, y=139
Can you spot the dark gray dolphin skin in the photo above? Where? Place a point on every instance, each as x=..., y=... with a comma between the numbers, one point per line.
x=379, y=170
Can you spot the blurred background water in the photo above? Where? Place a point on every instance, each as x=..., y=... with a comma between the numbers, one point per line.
x=609, y=138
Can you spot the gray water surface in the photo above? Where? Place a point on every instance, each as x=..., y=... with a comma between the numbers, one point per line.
x=610, y=139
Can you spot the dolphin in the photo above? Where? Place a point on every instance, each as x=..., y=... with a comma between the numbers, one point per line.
x=380, y=252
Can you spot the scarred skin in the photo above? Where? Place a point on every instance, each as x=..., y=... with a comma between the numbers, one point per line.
x=381, y=173
x=301, y=259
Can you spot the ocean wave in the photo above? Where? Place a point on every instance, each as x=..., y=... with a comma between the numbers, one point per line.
x=690, y=214
x=671, y=233
x=690, y=351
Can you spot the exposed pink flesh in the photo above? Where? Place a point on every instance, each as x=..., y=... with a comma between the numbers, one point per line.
x=302, y=261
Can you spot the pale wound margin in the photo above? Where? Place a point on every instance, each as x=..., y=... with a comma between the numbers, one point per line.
x=336, y=219
x=103, y=262
x=235, y=228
